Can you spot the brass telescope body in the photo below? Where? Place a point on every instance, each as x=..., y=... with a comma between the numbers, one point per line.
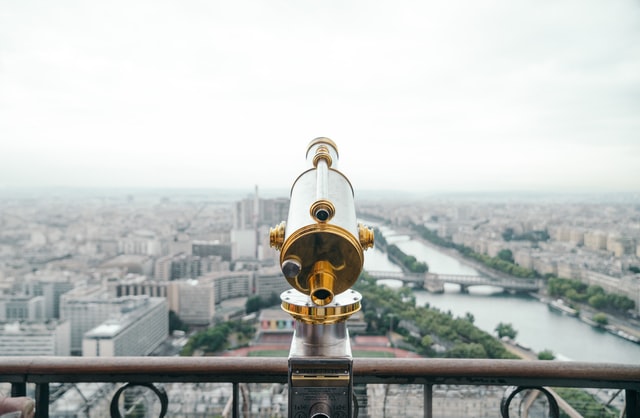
x=322, y=245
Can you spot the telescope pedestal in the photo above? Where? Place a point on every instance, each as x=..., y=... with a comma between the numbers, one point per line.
x=320, y=372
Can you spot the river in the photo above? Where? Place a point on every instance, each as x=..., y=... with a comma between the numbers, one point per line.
x=538, y=327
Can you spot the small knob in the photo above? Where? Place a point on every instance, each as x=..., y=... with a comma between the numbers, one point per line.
x=366, y=236
x=291, y=268
x=276, y=236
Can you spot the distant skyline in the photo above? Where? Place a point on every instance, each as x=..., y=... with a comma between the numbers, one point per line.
x=419, y=96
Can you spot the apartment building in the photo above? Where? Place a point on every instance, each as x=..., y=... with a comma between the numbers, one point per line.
x=50, y=338
x=140, y=328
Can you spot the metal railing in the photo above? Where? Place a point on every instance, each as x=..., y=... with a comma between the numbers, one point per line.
x=146, y=371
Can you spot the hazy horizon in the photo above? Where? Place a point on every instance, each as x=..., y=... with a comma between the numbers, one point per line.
x=361, y=195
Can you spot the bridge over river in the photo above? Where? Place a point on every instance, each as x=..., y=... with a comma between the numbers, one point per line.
x=434, y=282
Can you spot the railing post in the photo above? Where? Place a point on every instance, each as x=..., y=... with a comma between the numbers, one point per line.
x=235, y=413
x=18, y=389
x=428, y=401
x=42, y=400
x=632, y=402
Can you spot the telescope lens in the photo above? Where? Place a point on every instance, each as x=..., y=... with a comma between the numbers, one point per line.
x=322, y=215
x=322, y=210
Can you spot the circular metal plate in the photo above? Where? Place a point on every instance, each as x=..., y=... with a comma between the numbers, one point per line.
x=301, y=308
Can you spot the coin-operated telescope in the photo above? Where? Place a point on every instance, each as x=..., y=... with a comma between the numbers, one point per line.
x=321, y=255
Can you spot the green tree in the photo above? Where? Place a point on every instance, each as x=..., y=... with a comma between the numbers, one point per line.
x=508, y=233
x=253, y=304
x=595, y=296
x=467, y=350
x=426, y=341
x=600, y=319
x=598, y=301
x=586, y=404
x=469, y=317
x=273, y=300
x=546, y=355
x=595, y=290
x=506, y=255
x=215, y=341
x=506, y=330
x=432, y=325
x=175, y=323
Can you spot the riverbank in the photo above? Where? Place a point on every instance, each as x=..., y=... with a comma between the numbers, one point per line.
x=627, y=329
x=469, y=262
x=621, y=327
x=523, y=353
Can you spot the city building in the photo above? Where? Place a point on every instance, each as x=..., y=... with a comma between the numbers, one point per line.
x=138, y=285
x=211, y=248
x=270, y=281
x=22, y=308
x=85, y=307
x=595, y=240
x=142, y=242
x=89, y=306
x=229, y=285
x=183, y=265
x=130, y=263
x=50, y=286
x=141, y=327
x=25, y=338
x=251, y=217
x=196, y=301
x=244, y=244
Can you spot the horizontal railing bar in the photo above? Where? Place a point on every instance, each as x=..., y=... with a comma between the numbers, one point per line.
x=275, y=370
x=498, y=372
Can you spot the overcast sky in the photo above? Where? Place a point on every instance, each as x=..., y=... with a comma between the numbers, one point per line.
x=418, y=95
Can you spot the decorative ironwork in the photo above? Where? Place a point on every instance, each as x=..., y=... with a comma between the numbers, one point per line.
x=158, y=391
x=512, y=391
x=41, y=371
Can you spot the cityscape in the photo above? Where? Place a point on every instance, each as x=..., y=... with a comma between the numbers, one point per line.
x=484, y=237
x=100, y=273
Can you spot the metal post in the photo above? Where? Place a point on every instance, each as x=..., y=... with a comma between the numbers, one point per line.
x=18, y=389
x=632, y=402
x=236, y=400
x=428, y=401
x=42, y=400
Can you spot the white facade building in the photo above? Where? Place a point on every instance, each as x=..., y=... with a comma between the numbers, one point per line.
x=142, y=326
x=270, y=281
x=86, y=308
x=196, y=301
x=35, y=339
x=244, y=244
x=22, y=308
x=197, y=298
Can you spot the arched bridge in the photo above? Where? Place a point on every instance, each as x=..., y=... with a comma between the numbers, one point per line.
x=434, y=282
